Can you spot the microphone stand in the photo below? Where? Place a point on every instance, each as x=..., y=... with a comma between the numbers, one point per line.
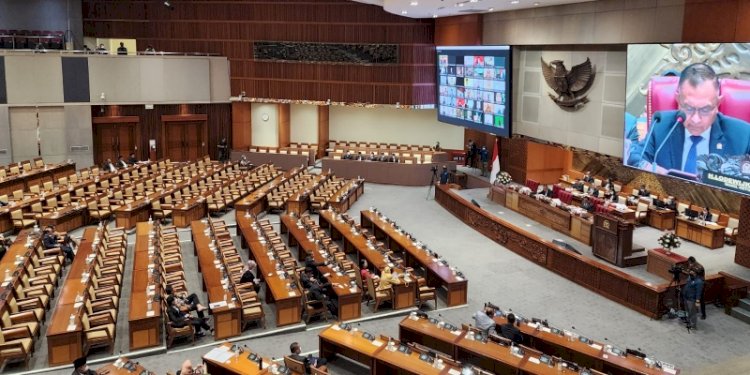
x=663, y=142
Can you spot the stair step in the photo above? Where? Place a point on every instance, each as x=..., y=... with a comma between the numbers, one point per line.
x=741, y=314
x=745, y=303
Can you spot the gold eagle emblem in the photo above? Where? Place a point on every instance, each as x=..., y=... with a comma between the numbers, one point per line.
x=570, y=86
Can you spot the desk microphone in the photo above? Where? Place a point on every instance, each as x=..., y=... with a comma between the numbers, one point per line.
x=679, y=119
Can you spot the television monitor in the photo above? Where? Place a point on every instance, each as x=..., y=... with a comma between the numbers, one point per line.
x=687, y=112
x=474, y=87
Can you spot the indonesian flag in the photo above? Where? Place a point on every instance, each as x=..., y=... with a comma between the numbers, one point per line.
x=495, y=163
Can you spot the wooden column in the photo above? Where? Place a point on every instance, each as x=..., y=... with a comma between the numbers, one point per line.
x=285, y=115
x=742, y=252
x=323, y=134
x=242, y=130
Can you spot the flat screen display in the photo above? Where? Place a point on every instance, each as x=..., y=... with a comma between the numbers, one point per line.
x=687, y=112
x=474, y=87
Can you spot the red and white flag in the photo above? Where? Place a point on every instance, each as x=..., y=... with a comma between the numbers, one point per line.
x=495, y=163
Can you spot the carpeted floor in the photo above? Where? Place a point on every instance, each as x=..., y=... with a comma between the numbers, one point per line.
x=720, y=346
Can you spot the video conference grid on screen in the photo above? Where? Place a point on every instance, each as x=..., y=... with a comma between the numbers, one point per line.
x=693, y=121
x=473, y=87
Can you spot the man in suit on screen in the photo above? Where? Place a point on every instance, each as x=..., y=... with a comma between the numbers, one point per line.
x=699, y=127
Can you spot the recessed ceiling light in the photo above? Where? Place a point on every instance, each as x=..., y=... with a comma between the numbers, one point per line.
x=404, y=12
x=414, y=3
x=473, y=1
x=434, y=16
x=460, y=4
x=536, y=4
x=514, y=2
x=491, y=10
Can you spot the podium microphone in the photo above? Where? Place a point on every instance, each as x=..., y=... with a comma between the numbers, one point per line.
x=679, y=119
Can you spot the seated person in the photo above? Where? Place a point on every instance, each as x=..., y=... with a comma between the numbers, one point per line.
x=185, y=302
x=670, y=203
x=383, y=157
x=592, y=191
x=121, y=162
x=609, y=194
x=364, y=272
x=81, y=368
x=386, y=280
x=643, y=192
x=373, y=156
x=608, y=184
x=4, y=245
x=579, y=185
x=550, y=192
x=587, y=204
x=179, y=319
x=109, y=166
x=312, y=265
x=588, y=178
x=309, y=361
x=706, y=214
x=132, y=160
x=248, y=275
x=51, y=240
x=510, y=331
x=348, y=155
x=484, y=321
x=317, y=291
x=187, y=369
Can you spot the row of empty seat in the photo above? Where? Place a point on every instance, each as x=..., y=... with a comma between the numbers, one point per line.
x=29, y=39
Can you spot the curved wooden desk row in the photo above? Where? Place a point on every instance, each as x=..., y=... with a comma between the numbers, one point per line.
x=229, y=359
x=256, y=202
x=144, y=321
x=637, y=294
x=385, y=173
x=437, y=274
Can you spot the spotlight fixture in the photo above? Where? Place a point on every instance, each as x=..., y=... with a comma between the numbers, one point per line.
x=168, y=4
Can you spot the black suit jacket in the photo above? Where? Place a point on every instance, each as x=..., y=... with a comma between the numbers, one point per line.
x=729, y=137
x=511, y=332
x=176, y=317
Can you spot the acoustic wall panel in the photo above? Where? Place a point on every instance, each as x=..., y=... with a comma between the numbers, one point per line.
x=75, y=79
x=220, y=91
x=34, y=79
x=187, y=79
x=23, y=133
x=52, y=131
x=118, y=79
x=3, y=91
x=6, y=152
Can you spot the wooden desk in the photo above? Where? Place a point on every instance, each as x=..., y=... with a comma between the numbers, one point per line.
x=544, y=213
x=347, y=196
x=497, y=194
x=256, y=201
x=661, y=219
x=64, y=342
x=423, y=332
x=227, y=319
x=184, y=214
x=349, y=299
x=36, y=176
x=659, y=262
x=437, y=274
x=238, y=364
x=65, y=219
x=336, y=341
x=288, y=302
x=144, y=323
x=128, y=215
x=708, y=235
x=116, y=368
x=580, y=229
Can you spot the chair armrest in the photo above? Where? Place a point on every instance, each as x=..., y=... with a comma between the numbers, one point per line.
x=100, y=319
x=16, y=333
x=52, y=251
x=29, y=303
x=23, y=317
x=42, y=280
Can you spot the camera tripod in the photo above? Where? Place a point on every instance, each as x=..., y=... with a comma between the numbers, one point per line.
x=433, y=180
x=680, y=310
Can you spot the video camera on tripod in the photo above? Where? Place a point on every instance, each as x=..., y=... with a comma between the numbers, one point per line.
x=676, y=271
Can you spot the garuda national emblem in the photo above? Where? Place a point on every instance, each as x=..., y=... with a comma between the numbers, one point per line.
x=570, y=86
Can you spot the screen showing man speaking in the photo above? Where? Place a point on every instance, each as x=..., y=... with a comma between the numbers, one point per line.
x=687, y=112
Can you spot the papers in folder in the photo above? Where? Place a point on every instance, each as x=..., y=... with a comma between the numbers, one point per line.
x=220, y=354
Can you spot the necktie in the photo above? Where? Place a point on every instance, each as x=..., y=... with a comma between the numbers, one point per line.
x=692, y=154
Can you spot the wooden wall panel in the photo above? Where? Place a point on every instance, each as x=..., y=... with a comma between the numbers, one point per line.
x=219, y=119
x=228, y=28
x=242, y=134
x=463, y=30
x=324, y=135
x=742, y=252
x=285, y=123
x=715, y=21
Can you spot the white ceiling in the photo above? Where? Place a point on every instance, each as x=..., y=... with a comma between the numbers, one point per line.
x=443, y=8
